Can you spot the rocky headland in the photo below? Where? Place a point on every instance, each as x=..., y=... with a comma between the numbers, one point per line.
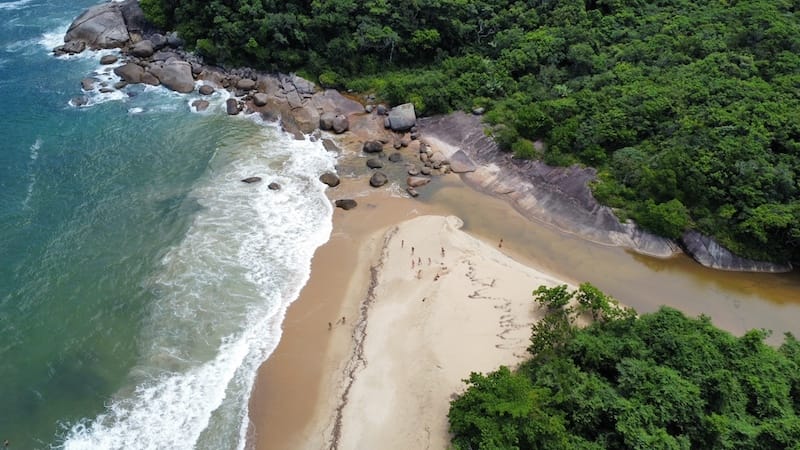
x=386, y=144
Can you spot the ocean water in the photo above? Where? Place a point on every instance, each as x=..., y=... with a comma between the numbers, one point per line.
x=141, y=282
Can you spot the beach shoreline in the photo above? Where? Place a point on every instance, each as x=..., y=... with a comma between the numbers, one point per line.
x=313, y=390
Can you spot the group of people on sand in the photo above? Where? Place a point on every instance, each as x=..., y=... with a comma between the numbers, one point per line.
x=342, y=321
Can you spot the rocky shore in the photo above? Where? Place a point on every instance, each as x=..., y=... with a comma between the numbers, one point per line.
x=388, y=142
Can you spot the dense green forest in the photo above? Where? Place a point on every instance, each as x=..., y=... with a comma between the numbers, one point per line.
x=659, y=381
x=690, y=110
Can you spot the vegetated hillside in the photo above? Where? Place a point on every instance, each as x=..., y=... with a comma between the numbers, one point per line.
x=660, y=381
x=689, y=109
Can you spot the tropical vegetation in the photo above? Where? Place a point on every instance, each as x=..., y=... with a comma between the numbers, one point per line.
x=657, y=381
x=688, y=109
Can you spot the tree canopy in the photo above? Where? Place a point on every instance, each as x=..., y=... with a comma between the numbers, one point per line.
x=659, y=381
x=689, y=109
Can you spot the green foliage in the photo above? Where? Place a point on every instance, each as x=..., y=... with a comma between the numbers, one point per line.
x=660, y=380
x=679, y=102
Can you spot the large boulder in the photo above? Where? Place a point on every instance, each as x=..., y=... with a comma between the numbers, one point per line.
x=108, y=59
x=306, y=119
x=374, y=163
x=130, y=72
x=101, y=26
x=326, y=120
x=378, y=179
x=260, y=99
x=340, y=124
x=70, y=48
x=143, y=49
x=175, y=75
x=232, y=106
x=402, y=117
x=246, y=84
x=158, y=40
x=206, y=89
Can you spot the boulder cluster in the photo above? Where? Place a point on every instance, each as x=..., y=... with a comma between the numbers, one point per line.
x=149, y=57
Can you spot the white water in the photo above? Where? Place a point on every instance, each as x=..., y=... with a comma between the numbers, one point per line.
x=221, y=296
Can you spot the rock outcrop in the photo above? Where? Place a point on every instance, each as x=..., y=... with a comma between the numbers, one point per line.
x=175, y=75
x=101, y=26
x=709, y=253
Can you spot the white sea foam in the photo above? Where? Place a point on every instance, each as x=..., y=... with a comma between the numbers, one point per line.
x=221, y=296
x=33, y=155
x=19, y=4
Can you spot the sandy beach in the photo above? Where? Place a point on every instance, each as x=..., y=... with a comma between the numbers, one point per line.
x=424, y=305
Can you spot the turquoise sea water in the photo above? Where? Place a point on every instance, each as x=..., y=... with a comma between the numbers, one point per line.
x=141, y=283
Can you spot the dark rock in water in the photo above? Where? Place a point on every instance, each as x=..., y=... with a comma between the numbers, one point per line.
x=402, y=117
x=108, y=59
x=346, y=204
x=232, y=106
x=372, y=147
x=206, y=90
x=249, y=180
x=87, y=84
x=417, y=181
x=330, y=179
x=106, y=90
x=143, y=49
x=121, y=85
x=412, y=192
x=70, y=48
x=340, y=124
x=274, y=186
x=101, y=26
x=374, y=163
x=395, y=157
x=378, y=179
x=708, y=252
x=80, y=100
x=200, y=105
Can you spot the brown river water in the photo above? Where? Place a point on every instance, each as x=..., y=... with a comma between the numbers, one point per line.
x=735, y=301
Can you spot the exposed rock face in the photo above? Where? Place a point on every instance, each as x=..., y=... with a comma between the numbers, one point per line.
x=330, y=179
x=709, y=253
x=326, y=120
x=378, y=179
x=402, y=117
x=346, y=204
x=460, y=162
x=101, y=26
x=70, y=48
x=559, y=196
x=373, y=147
x=305, y=119
x=175, y=75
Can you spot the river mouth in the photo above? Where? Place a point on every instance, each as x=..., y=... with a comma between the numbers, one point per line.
x=735, y=301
